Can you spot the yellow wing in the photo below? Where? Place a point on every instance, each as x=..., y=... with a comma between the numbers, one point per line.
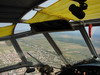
x=7, y=30
x=60, y=10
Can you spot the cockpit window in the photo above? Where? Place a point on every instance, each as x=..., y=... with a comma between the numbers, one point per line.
x=8, y=55
x=96, y=38
x=40, y=49
x=72, y=46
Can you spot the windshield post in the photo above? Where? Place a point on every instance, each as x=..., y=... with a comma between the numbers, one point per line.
x=55, y=47
x=88, y=41
x=18, y=50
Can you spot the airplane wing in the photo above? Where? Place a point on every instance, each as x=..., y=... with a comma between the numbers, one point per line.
x=60, y=10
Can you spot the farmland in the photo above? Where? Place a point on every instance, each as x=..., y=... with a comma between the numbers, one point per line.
x=73, y=49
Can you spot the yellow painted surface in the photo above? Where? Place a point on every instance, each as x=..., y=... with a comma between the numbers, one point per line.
x=60, y=10
x=7, y=30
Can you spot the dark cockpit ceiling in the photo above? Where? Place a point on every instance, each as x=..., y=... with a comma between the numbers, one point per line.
x=14, y=10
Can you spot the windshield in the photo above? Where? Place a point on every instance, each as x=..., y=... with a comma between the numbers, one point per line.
x=72, y=46
x=70, y=43
x=96, y=39
x=39, y=48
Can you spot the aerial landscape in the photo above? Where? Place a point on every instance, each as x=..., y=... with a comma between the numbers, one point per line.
x=71, y=44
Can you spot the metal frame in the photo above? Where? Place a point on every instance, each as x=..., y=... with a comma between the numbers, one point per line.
x=18, y=50
x=20, y=53
x=55, y=47
x=18, y=35
x=88, y=42
x=16, y=66
x=25, y=63
x=94, y=22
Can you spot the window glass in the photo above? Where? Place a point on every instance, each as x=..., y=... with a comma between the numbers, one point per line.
x=8, y=55
x=5, y=24
x=21, y=27
x=72, y=46
x=96, y=38
x=40, y=49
